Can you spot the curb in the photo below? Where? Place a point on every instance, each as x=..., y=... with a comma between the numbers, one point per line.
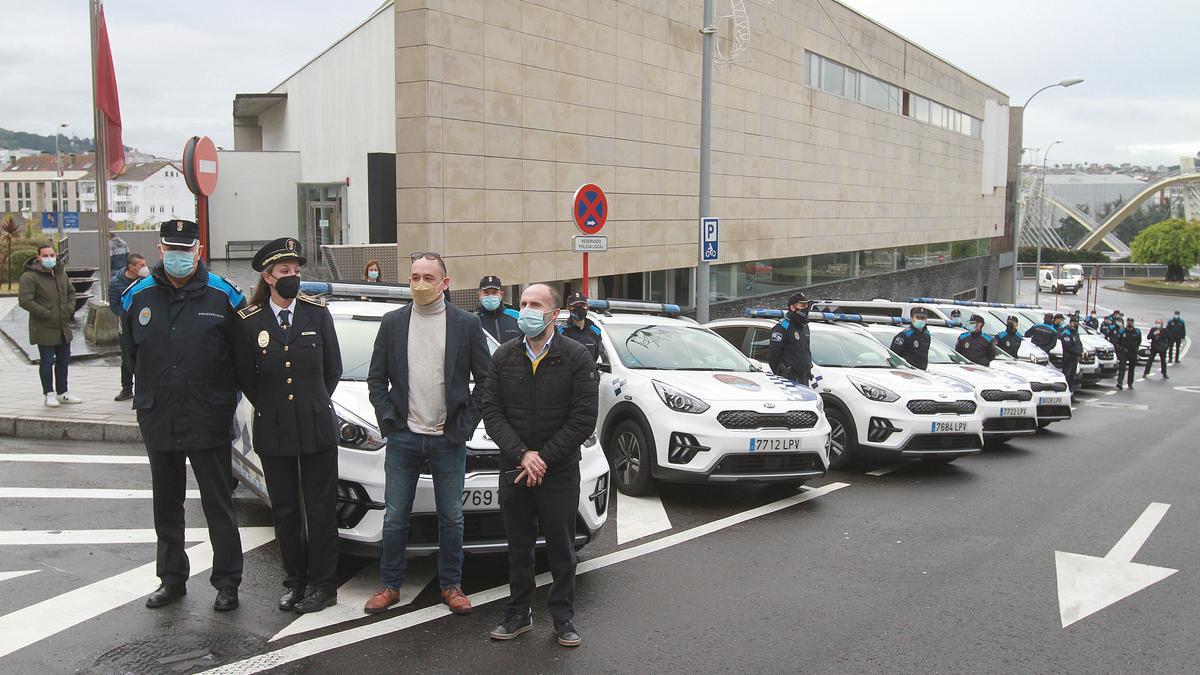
x=58, y=429
x=1171, y=292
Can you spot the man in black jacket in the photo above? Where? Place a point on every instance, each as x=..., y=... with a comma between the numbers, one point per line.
x=1045, y=334
x=1072, y=351
x=912, y=343
x=420, y=386
x=499, y=321
x=1177, y=330
x=541, y=405
x=1009, y=339
x=1160, y=343
x=1129, y=340
x=177, y=336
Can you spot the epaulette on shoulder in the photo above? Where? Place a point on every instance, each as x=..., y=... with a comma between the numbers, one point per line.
x=249, y=311
x=964, y=334
x=784, y=324
x=312, y=300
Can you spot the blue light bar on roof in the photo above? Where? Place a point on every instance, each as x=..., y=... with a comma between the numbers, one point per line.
x=973, y=303
x=349, y=290
x=636, y=306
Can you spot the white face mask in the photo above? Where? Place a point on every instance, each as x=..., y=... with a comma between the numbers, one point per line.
x=143, y=272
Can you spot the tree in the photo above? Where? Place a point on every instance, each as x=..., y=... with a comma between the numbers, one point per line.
x=1174, y=243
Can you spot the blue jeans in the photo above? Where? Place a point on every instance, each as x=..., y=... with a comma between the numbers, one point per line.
x=52, y=367
x=407, y=454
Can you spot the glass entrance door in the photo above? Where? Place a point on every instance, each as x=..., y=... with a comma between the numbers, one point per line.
x=323, y=225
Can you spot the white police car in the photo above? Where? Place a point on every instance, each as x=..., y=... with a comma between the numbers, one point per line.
x=362, y=451
x=679, y=404
x=1052, y=400
x=1005, y=400
x=1099, y=359
x=878, y=406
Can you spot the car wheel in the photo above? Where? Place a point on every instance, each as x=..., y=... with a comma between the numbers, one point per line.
x=842, y=440
x=630, y=458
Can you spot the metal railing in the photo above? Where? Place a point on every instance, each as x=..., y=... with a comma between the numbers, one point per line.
x=1107, y=270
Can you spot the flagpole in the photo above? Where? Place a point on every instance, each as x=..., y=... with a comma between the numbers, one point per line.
x=100, y=165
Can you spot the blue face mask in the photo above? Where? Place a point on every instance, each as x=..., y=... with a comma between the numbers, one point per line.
x=531, y=322
x=179, y=264
x=49, y=263
x=373, y=275
x=490, y=302
x=918, y=324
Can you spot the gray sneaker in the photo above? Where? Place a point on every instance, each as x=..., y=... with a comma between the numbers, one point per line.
x=513, y=625
x=567, y=635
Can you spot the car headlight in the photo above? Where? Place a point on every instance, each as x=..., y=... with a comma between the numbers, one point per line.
x=355, y=432
x=874, y=391
x=679, y=401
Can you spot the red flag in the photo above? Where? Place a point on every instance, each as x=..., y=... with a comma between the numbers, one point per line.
x=107, y=102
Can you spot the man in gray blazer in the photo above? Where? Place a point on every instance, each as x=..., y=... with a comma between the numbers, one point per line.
x=420, y=386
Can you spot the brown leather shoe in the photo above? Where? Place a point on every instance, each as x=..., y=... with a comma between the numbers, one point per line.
x=459, y=603
x=383, y=599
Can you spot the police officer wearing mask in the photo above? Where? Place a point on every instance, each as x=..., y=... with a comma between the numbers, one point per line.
x=177, y=336
x=976, y=345
x=1177, y=330
x=1160, y=344
x=580, y=328
x=1044, y=335
x=499, y=321
x=912, y=343
x=789, y=354
x=1010, y=338
x=1129, y=340
x=1092, y=322
x=288, y=364
x=1072, y=351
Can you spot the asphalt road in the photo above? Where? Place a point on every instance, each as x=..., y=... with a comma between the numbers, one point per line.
x=912, y=569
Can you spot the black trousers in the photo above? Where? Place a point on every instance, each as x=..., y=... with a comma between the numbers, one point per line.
x=1173, y=350
x=1162, y=357
x=213, y=469
x=1070, y=370
x=1126, y=364
x=553, y=504
x=303, y=491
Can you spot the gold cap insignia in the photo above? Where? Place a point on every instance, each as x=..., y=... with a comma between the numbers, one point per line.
x=291, y=244
x=179, y=226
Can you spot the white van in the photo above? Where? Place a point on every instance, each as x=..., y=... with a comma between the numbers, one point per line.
x=1067, y=279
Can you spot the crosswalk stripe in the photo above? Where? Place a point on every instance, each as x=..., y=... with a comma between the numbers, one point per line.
x=89, y=493
x=5, y=576
x=74, y=459
x=90, y=537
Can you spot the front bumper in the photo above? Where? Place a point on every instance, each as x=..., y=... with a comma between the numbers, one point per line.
x=700, y=449
x=1008, y=418
x=891, y=429
x=1053, y=406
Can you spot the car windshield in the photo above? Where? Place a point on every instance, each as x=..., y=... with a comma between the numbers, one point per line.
x=845, y=349
x=356, y=338
x=674, y=347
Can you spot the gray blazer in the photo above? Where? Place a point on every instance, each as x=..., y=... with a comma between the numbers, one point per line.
x=467, y=356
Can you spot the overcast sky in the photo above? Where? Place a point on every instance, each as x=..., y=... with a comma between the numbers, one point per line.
x=179, y=64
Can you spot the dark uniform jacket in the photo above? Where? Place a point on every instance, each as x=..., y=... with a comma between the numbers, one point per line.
x=467, y=357
x=552, y=410
x=1091, y=322
x=1044, y=336
x=1009, y=341
x=1129, y=340
x=289, y=377
x=912, y=345
x=179, y=344
x=116, y=287
x=1160, y=341
x=588, y=336
x=978, y=348
x=1176, y=328
x=500, y=324
x=790, y=354
x=1072, y=345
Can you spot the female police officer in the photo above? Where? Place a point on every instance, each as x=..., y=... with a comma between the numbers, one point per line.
x=288, y=364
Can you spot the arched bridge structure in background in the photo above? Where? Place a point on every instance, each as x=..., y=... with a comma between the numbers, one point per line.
x=1092, y=240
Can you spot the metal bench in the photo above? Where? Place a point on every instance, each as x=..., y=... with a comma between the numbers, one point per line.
x=244, y=246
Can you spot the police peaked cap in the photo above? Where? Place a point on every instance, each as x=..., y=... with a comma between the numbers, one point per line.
x=282, y=249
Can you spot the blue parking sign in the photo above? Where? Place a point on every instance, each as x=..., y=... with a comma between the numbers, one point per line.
x=709, y=242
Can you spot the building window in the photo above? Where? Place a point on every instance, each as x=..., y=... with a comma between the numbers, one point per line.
x=6, y=190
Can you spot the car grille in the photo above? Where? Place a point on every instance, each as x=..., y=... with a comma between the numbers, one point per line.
x=477, y=460
x=1105, y=353
x=1010, y=424
x=1088, y=359
x=478, y=526
x=928, y=407
x=1000, y=395
x=766, y=462
x=1055, y=411
x=749, y=419
x=943, y=442
x=1049, y=386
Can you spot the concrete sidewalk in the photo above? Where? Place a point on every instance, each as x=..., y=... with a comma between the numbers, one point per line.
x=24, y=414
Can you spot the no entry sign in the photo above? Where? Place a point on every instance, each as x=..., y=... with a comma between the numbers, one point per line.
x=589, y=208
x=200, y=165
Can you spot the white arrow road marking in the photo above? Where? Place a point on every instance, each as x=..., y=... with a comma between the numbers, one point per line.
x=349, y=636
x=5, y=576
x=74, y=459
x=1126, y=406
x=639, y=517
x=353, y=594
x=1190, y=388
x=1087, y=584
x=37, y=622
x=90, y=537
x=89, y=493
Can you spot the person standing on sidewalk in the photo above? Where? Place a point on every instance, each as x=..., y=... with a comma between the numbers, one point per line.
x=288, y=364
x=47, y=294
x=135, y=268
x=177, y=332
x=541, y=405
x=1177, y=331
x=420, y=386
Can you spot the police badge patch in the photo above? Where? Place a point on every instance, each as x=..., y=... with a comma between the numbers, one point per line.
x=144, y=316
x=264, y=339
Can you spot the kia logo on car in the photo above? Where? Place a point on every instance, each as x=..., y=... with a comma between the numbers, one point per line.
x=768, y=405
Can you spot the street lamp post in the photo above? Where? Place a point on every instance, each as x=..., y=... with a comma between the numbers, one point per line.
x=702, y=270
x=1037, y=268
x=1070, y=82
x=58, y=199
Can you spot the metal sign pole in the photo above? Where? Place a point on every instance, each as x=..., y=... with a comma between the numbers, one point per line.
x=702, y=278
x=100, y=165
